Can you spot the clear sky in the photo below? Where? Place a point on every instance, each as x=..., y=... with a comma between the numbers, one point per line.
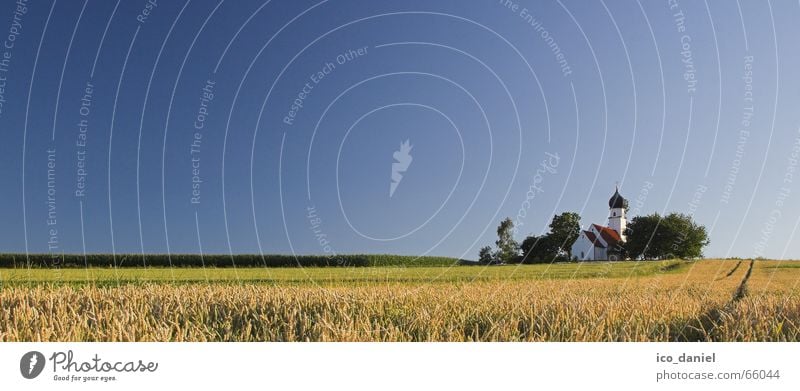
x=273, y=126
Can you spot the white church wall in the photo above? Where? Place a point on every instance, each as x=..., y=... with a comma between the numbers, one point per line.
x=583, y=249
x=600, y=254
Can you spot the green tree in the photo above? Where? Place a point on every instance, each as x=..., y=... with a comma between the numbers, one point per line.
x=659, y=237
x=486, y=255
x=507, y=247
x=688, y=237
x=645, y=238
x=564, y=230
x=529, y=244
x=539, y=249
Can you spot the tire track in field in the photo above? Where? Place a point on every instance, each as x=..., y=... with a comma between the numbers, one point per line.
x=730, y=273
x=741, y=291
x=701, y=329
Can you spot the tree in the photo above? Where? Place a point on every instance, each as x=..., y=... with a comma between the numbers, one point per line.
x=539, y=249
x=641, y=238
x=564, y=230
x=486, y=255
x=688, y=238
x=529, y=244
x=660, y=237
x=507, y=247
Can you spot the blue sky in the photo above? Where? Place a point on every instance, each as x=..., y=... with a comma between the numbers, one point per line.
x=519, y=109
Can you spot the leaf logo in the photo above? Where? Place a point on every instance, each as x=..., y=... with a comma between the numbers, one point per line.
x=402, y=159
x=31, y=364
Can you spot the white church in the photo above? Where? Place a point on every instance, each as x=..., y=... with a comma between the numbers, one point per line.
x=604, y=243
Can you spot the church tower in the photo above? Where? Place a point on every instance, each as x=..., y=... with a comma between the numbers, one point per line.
x=616, y=215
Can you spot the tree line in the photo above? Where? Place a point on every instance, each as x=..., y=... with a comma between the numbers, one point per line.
x=649, y=237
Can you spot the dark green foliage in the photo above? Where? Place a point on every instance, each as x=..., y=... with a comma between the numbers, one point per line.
x=507, y=247
x=564, y=230
x=239, y=260
x=486, y=256
x=662, y=237
x=539, y=249
x=555, y=245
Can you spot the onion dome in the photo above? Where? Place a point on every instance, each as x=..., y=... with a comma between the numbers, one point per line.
x=616, y=201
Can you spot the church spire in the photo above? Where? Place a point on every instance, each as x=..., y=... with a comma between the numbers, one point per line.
x=617, y=201
x=616, y=219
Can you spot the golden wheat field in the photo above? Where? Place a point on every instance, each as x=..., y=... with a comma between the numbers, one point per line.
x=705, y=300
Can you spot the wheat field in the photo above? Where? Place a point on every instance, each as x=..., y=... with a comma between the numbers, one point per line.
x=706, y=300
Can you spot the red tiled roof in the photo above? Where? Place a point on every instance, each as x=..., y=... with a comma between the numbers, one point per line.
x=592, y=238
x=608, y=234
